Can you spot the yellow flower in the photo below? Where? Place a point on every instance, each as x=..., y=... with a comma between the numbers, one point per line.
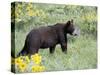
x=30, y=13
x=22, y=66
x=42, y=68
x=18, y=61
x=35, y=68
x=38, y=68
x=36, y=58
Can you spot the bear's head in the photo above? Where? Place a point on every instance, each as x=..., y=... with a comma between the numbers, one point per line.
x=71, y=29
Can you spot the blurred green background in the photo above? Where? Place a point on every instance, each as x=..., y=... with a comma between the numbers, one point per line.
x=82, y=50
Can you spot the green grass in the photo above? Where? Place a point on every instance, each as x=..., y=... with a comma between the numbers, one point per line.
x=81, y=54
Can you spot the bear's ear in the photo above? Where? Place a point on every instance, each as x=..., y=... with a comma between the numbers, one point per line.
x=70, y=22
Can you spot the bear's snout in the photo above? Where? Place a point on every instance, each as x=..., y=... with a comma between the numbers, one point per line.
x=76, y=31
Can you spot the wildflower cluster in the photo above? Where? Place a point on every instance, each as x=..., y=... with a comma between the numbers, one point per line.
x=24, y=11
x=37, y=61
x=23, y=63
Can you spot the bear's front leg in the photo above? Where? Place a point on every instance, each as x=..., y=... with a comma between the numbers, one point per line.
x=52, y=49
x=63, y=41
x=64, y=47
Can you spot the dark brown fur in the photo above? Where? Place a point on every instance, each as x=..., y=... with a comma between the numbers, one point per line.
x=47, y=37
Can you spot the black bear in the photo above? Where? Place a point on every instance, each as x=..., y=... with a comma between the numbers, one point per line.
x=48, y=37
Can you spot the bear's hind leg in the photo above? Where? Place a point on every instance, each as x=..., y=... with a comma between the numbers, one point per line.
x=32, y=51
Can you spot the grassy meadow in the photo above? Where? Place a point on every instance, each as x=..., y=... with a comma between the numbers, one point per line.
x=82, y=50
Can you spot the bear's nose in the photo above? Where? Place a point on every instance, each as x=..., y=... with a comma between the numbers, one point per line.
x=75, y=34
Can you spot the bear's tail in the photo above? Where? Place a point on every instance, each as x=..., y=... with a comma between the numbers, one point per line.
x=21, y=53
x=18, y=55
